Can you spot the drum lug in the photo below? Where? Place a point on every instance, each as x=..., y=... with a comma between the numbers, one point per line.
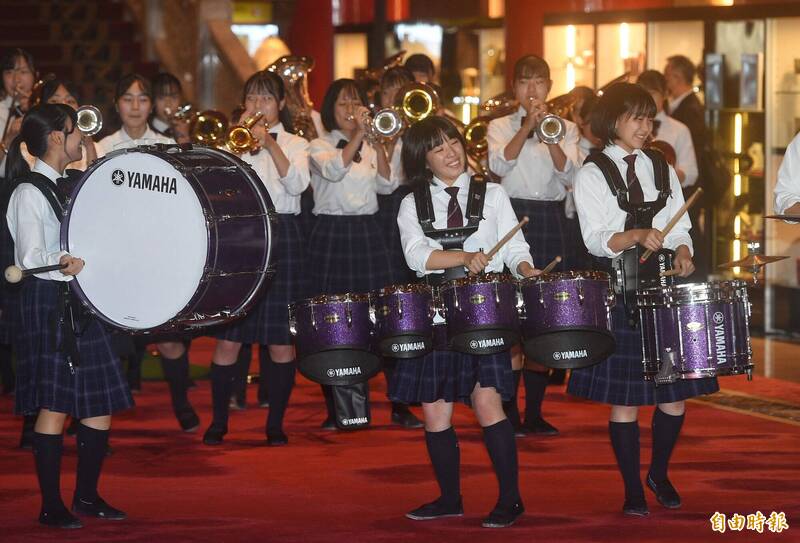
x=292, y=321
x=581, y=296
x=348, y=315
x=496, y=294
x=313, y=318
x=611, y=298
x=455, y=299
x=373, y=315
x=399, y=307
x=541, y=297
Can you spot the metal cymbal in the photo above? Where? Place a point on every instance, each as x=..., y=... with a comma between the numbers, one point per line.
x=790, y=218
x=752, y=261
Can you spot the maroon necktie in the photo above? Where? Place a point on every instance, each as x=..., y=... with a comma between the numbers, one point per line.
x=455, y=219
x=635, y=194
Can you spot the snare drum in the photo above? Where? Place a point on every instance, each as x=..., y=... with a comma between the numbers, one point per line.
x=566, y=321
x=702, y=329
x=481, y=313
x=404, y=320
x=173, y=237
x=333, y=336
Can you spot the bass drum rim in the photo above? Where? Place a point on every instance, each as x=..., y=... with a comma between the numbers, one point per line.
x=179, y=320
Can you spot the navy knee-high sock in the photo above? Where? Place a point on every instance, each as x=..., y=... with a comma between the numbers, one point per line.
x=264, y=361
x=222, y=381
x=47, y=450
x=280, y=381
x=535, y=386
x=511, y=407
x=499, y=440
x=625, y=441
x=666, y=429
x=92, y=447
x=446, y=459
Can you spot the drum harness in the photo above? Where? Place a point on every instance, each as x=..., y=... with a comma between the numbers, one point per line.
x=69, y=315
x=450, y=238
x=627, y=273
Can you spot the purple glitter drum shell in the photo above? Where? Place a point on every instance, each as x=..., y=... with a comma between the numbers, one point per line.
x=404, y=320
x=327, y=323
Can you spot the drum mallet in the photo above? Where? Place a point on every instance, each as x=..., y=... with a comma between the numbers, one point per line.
x=681, y=212
x=507, y=237
x=553, y=264
x=15, y=274
x=669, y=273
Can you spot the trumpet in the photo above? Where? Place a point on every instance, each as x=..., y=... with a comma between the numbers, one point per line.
x=180, y=114
x=209, y=127
x=416, y=101
x=90, y=120
x=386, y=124
x=240, y=139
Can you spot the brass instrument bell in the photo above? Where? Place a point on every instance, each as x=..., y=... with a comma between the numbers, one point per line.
x=387, y=123
x=90, y=120
x=209, y=127
x=240, y=139
x=416, y=101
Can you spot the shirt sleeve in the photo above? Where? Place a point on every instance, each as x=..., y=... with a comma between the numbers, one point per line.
x=415, y=244
x=593, y=199
x=685, y=157
x=787, y=189
x=570, y=147
x=679, y=235
x=297, y=176
x=27, y=208
x=497, y=137
x=516, y=250
x=327, y=160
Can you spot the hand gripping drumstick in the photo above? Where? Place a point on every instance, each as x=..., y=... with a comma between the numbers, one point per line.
x=507, y=237
x=684, y=208
x=553, y=263
x=15, y=274
x=669, y=273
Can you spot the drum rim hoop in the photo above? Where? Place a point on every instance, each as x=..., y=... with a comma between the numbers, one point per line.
x=483, y=278
x=403, y=288
x=587, y=275
x=323, y=299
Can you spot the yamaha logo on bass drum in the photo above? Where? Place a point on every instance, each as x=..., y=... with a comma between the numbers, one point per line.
x=145, y=181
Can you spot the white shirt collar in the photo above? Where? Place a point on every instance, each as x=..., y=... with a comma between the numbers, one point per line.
x=148, y=134
x=461, y=182
x=7, y=101
x=159, y=125
x=662, y=116
x=42, y=167
x=675, y=102
x=277, y=129
x=617, y=152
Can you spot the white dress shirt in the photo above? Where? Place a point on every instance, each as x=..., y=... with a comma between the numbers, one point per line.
x=532, y=175
x=284, y=191
x=677, y=134
x=121, y=140
x=345, y=190
x=600, y=216
x=499, y=219
x=5, y=108
x=396, y=164
x=787, y=189
x=673, y=103
x=316, y=118
x=35, y=228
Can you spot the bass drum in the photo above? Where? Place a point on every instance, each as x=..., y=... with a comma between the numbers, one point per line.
x=173, y=237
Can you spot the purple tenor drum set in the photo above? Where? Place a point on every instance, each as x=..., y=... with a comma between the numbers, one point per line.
x=404, y=320
x=334, y=338
x=695, y=330
x=567, y=318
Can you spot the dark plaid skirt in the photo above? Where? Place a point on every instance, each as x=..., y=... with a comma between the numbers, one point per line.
x=388, y=208
x=450, y=376
x=44, y=379
x=9, y=313
x=619, y=380
x=547, y=233
x=267, y=322
x=347, y=254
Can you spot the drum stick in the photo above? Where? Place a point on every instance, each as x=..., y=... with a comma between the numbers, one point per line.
x=15, y=274
x=553, y=263
x=669, y=273
x=507, y=237
x=681, y=212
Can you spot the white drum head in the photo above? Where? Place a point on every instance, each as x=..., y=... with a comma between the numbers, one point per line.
x=140, y=227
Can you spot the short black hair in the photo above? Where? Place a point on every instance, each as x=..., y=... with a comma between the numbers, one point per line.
x=420, y=63
x=618, y=101
x=267, y=82
x=396, y=76
x=164, y=84
x=684, y=66
x=129, y=79
x=420, y=138
x=50, y=87
x=9, y=58
x=653, y=81
x=587, y=108
x=531, y=66
x=331, y=95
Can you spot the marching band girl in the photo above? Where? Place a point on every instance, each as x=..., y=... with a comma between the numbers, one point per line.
x=623, y=120
x=434, y=155
x=282, y=165
x=167, y=98
x=536, y=176
x=59, y=373
x=19, y=75
x=347, y=251
x=133, y=102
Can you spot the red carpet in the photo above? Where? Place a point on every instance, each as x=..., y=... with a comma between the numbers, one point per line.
x=337, y=486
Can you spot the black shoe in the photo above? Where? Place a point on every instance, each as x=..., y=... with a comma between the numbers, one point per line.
x=329, y=424
x=435, y=510
x=406, y=419
x=187, y=418
x=503, y=516
x=277, y=439
x=97, y=508
x=540, y=427
x=635, y=508
x=520, y=430
x=665, y=493
x=61, y=518
x=237, y=404
x=214, y=435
